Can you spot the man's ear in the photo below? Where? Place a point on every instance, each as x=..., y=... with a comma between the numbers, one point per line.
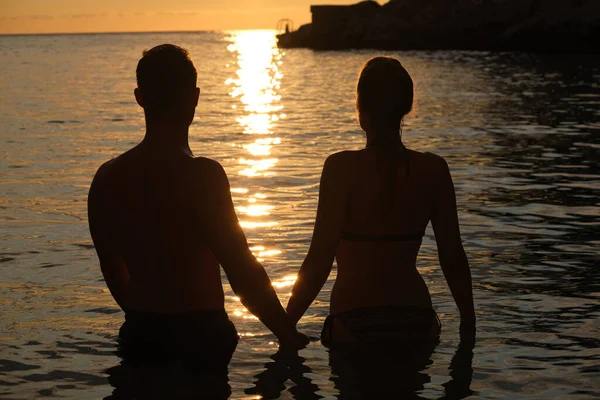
x=138, y=97
x=196, y=96
x=364, y=120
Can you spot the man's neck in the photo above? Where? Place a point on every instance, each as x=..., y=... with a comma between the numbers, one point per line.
x=165, y=137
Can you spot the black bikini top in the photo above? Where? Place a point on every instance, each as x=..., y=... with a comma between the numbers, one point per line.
x=359, y=237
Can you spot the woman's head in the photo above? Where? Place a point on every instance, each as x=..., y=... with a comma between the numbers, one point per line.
x=384, y=95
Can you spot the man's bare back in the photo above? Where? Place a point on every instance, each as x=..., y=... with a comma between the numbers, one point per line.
x=153, y=207
x=163, y=220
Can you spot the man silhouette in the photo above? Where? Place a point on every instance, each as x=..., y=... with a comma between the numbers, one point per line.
x=163, y=220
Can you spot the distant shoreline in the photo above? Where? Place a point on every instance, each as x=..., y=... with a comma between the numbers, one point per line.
x=127, y=33
x=544, y=26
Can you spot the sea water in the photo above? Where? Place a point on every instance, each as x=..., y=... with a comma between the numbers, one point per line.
x=521, y=133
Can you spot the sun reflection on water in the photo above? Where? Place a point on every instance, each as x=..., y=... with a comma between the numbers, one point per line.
x=257, y=80
x=255, y=90
x=255, y=85
x=257, y=167
x=262, y=147
x=287, y=281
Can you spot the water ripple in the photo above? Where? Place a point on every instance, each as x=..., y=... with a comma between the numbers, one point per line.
x=520, y=132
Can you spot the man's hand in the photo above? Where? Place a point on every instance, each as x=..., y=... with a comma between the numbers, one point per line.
x=294, y=342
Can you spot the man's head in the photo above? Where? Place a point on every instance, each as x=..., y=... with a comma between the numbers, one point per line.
x=166, y=79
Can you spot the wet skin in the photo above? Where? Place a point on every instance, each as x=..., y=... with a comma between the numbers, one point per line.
x=352, y=199
x=163, y=220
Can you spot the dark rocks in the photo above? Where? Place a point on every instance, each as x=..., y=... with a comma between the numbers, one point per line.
x=566, y=26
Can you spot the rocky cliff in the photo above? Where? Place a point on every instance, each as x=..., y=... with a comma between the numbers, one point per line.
x=526, y=25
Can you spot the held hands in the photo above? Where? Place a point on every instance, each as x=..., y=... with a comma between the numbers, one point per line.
x=293, y=341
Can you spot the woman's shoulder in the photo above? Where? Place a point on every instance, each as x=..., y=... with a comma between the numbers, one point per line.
x=431, y=167
x=341, y=165
x=344, y=156
x=432, y=160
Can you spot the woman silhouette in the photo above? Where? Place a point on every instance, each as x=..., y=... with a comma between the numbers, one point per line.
x=374, y=206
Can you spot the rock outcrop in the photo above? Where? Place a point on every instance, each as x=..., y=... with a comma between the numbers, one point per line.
x=526, y=25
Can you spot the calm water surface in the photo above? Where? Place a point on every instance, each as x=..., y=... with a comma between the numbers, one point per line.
x=520, y=132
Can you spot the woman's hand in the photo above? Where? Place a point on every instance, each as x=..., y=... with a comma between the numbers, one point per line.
x=294, y=342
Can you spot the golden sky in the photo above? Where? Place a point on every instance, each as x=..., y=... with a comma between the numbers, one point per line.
x=64, y=16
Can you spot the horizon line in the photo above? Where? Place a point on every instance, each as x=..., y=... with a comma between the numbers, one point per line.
x=132, y=32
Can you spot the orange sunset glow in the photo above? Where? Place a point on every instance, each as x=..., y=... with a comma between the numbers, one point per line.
x=72, y=16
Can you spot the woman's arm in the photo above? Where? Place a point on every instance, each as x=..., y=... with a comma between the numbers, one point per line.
x=326, y=236
x=453, y=259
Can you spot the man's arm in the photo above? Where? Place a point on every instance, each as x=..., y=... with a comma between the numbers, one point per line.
x=113, y=267
x=326, y=236
x=453, y=259
x=246, y=275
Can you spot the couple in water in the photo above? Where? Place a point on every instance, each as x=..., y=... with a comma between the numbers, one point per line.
x=162, y=222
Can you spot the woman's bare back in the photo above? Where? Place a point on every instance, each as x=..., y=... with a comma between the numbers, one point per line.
x=374, y=206
x=380, y=239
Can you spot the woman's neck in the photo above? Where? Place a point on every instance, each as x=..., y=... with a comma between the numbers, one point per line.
x=387, y=138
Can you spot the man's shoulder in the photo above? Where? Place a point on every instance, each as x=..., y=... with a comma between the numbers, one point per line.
x=205, y=162
x=207, y=167
x=105, y=171
x=209, y=174
x=112, y=170
x=113, y=165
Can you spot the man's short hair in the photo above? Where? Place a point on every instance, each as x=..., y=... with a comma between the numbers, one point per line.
x=166, y=77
